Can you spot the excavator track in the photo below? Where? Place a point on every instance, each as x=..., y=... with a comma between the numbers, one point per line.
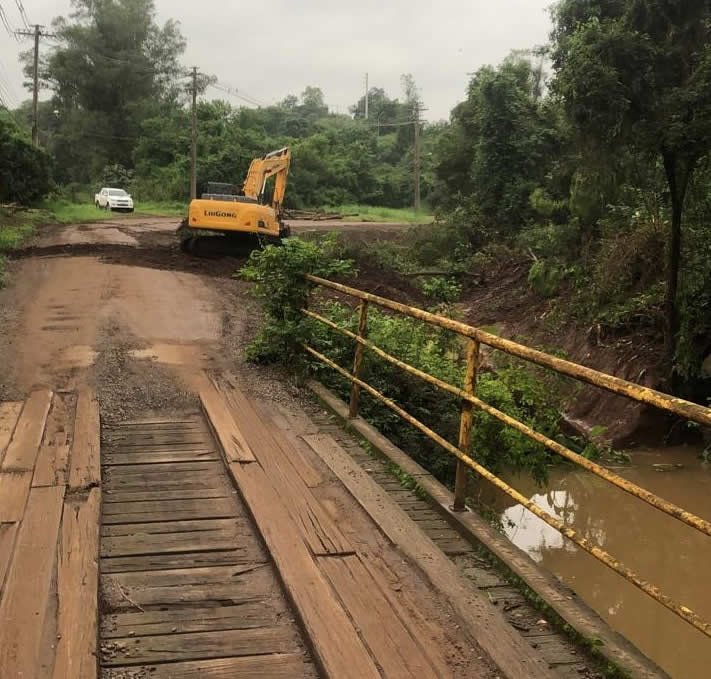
x=201, y=243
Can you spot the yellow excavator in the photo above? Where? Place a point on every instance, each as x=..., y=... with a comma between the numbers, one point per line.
x=239, y=217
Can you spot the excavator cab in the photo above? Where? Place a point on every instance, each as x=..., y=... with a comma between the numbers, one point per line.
x=239, y=216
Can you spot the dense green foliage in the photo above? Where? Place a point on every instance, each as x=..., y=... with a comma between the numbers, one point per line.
x=278, y=274
x=24, y=170
x=637, y=75
x=596, y=172
x=520, y=392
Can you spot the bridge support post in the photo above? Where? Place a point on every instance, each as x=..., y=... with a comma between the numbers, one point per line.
x=357, y=362
x=465, y=427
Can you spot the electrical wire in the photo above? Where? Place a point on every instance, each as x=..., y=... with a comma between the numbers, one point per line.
x=5, y=83
x=23, y=14
x=8, y=26
x=234, y=93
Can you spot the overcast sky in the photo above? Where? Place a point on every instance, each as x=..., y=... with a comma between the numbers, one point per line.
x=270, y=49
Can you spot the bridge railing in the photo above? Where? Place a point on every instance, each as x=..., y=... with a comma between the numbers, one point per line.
x=475, y=338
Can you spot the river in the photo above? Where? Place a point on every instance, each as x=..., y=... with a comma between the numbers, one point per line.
x=660, y=549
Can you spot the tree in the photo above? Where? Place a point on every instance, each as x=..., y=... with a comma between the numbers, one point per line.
x=381, y=108
x=112, y=66
x=499, y=146
x=638, y=74
x=312, y=103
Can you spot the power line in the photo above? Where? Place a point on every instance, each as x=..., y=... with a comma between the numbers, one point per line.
x=7, y=24
x=233, y=92
x=23, y=14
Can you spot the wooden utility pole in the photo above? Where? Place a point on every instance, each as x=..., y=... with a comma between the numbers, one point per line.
x=36, y=33
x=417, y=157
x=366, y=96
x=35, y=90
x=193, y=148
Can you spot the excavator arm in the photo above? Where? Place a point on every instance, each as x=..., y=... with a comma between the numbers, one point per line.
x=275, y=164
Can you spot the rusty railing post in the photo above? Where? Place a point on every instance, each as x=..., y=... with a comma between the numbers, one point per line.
x=465, y=427
x=357, y=362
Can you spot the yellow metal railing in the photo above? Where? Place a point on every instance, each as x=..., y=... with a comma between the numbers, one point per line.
x=477, y=337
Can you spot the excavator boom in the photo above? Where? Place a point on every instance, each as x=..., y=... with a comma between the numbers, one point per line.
x=275, y=164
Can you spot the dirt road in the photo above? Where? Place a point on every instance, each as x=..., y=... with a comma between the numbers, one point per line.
x=127, y=305
x=127, y=313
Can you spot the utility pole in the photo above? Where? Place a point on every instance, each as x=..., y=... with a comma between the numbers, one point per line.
x=366, y=96
x=193, y=149
x=36, y=33
x=417, y=157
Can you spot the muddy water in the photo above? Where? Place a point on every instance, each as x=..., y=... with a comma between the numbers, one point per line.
x=662, y=550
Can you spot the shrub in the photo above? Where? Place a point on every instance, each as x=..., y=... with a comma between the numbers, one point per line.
x=442, y=289
x=546, y=278
x=278, y=272
x=516, y=389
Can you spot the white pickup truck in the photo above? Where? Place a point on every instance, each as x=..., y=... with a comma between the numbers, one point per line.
x=114, y=199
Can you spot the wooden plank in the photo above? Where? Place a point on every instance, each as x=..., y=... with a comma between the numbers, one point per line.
x=14, y=491
x=223, y=585
x=22, y=451
x=159, y=422
x=315, y=524
x=165, y=470
x=223, y=507
x=235, y=527
x=156, y=449
x=336, y=644
x=142, y=436
x=9, y=414
x=117, y=459
x=288, y=439
x=27, y=587
x=189, y=483
x=7, y=547
x=254, y=577
x=153, y=623
x=395, y=648
x=193, y=541
x=233, y=443
x=506, y=648
x=85, y=470
x=166, y=514
x=77, y=587
x=155, y=495
x=249, y=551
x=272, y=666
x=179, y=443
x=198, y=645
x=51, y=467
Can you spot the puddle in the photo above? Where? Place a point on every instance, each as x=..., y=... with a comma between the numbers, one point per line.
x=172, y=354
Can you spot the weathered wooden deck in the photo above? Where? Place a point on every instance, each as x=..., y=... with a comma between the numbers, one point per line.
x=221, y=544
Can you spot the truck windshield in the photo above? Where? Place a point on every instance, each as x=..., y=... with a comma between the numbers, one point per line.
x=117, y=192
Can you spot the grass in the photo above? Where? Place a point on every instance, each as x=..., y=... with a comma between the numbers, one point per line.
x=12, y=236
x=369, y=213
x=66, y=212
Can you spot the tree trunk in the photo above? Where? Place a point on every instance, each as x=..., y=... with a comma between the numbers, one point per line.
x=678, y=172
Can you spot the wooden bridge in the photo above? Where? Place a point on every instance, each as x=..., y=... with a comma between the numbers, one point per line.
x=242, y=541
